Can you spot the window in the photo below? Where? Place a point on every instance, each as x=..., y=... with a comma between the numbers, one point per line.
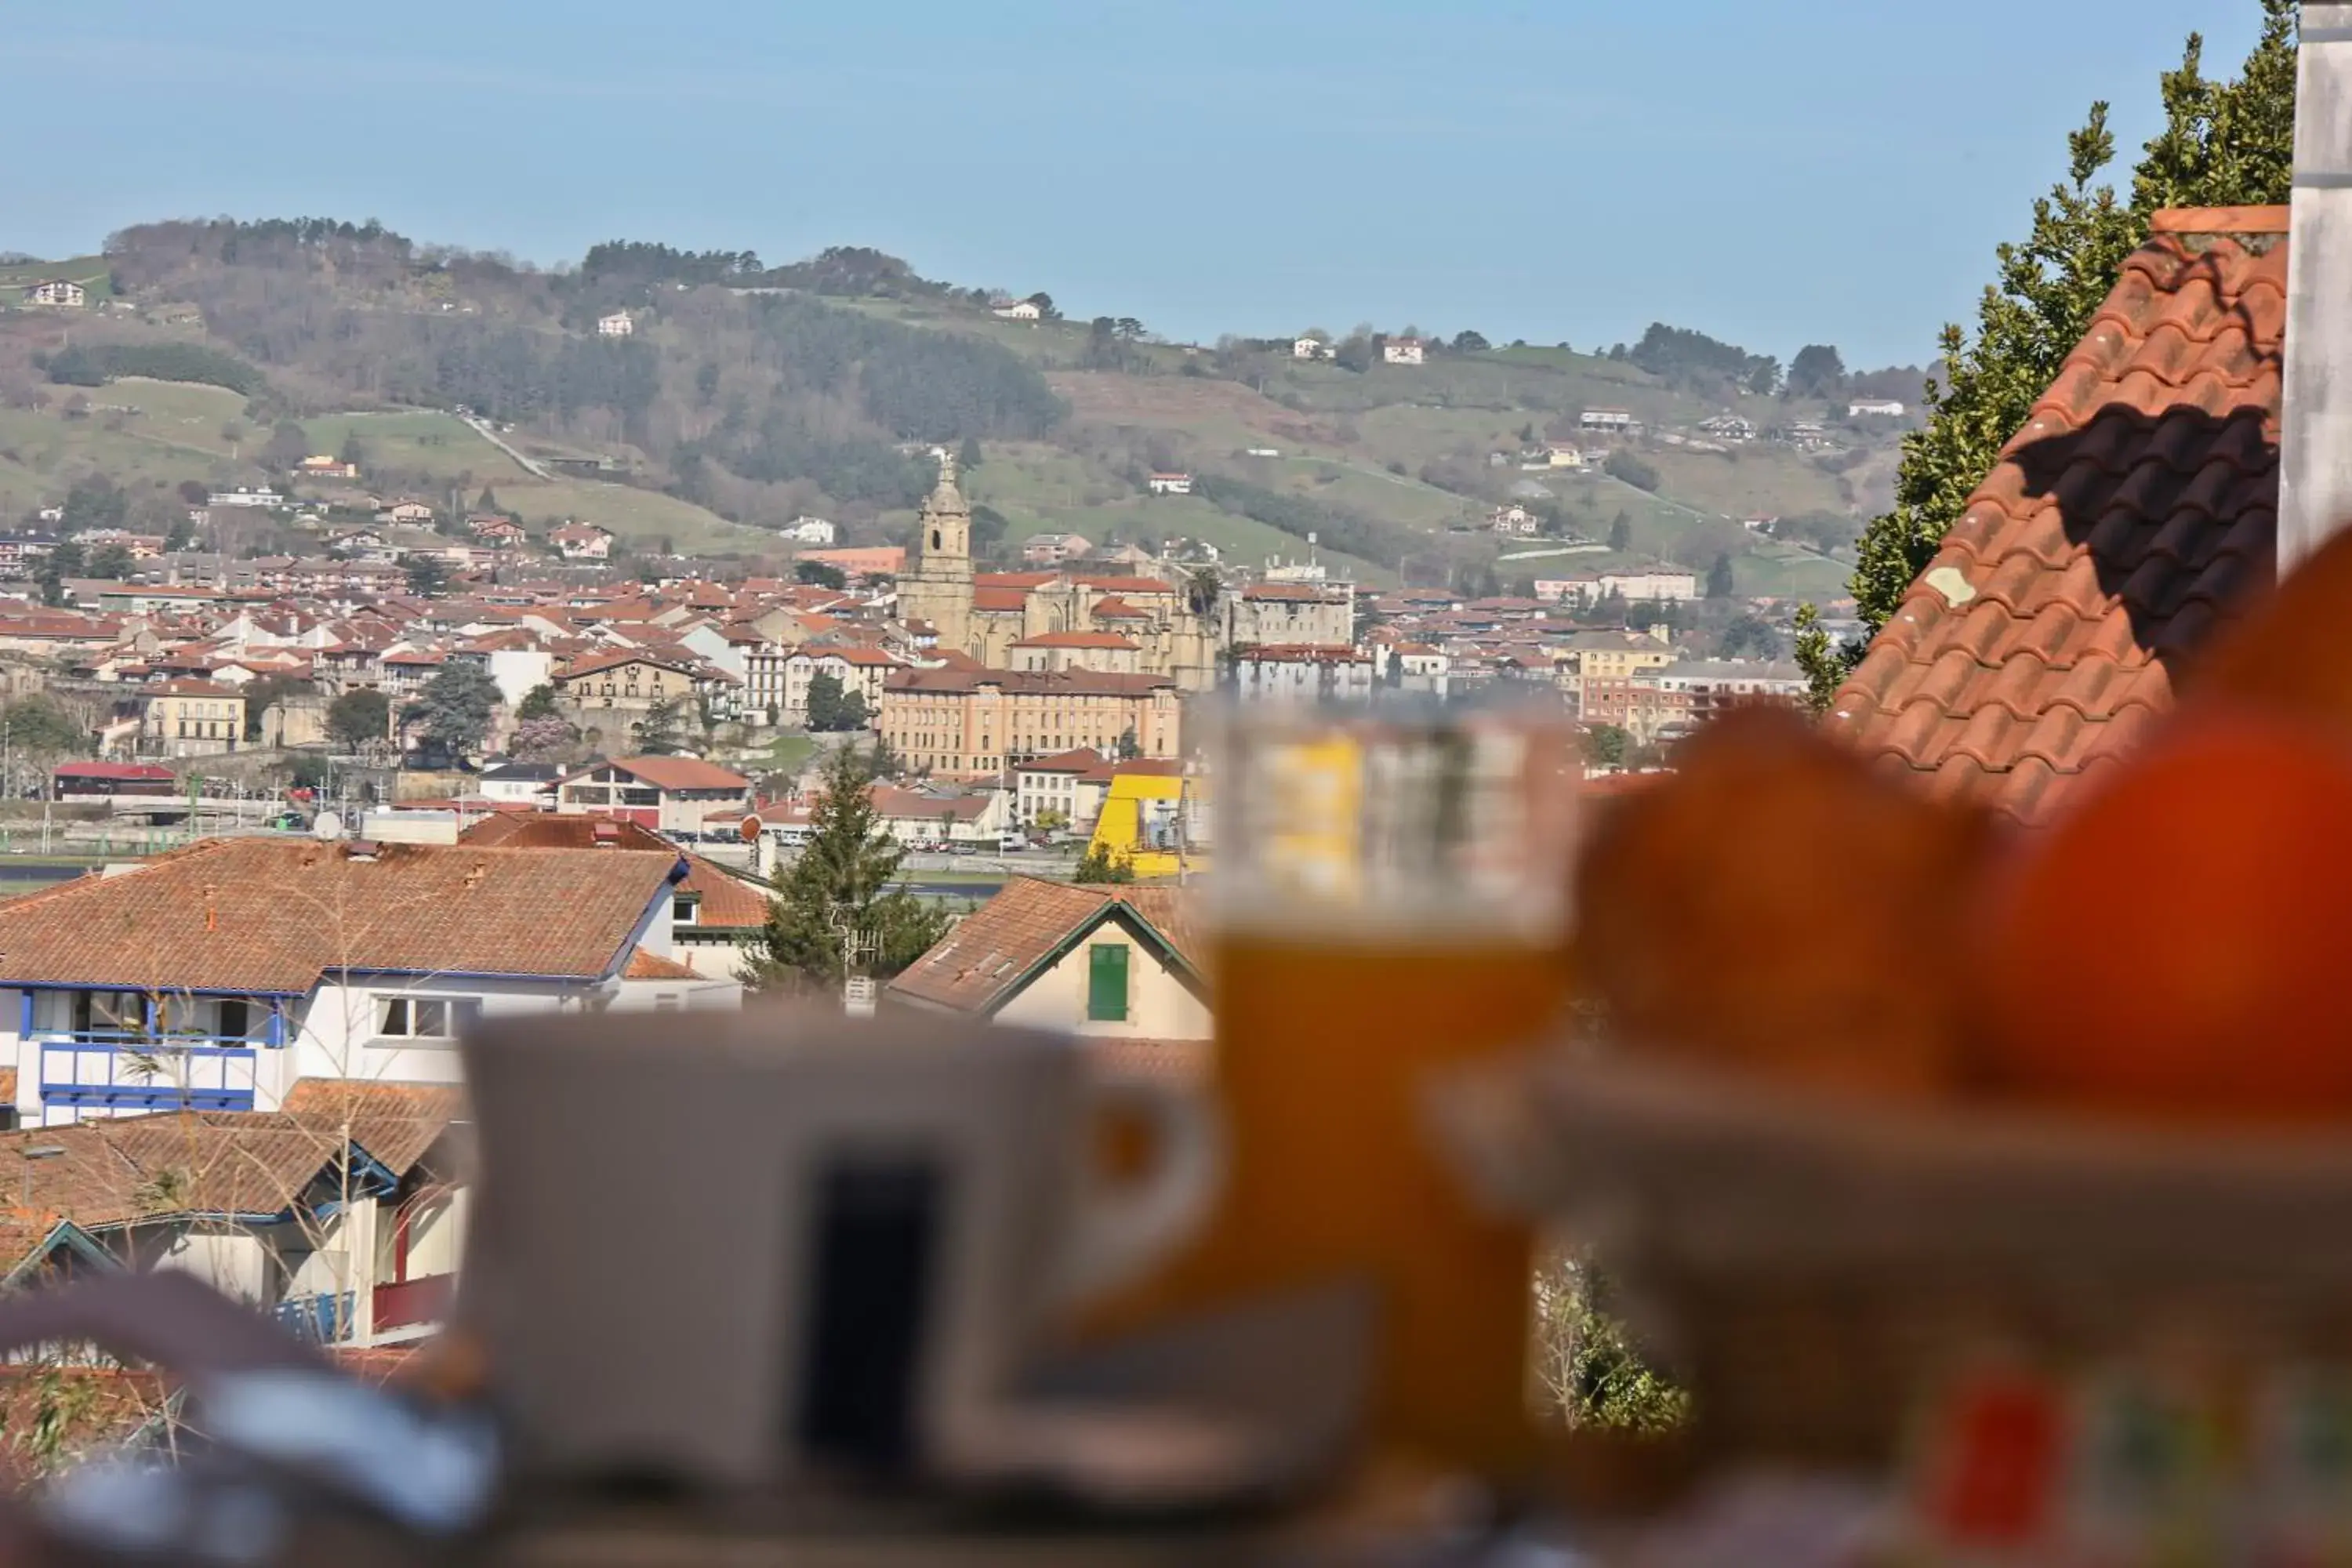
x=681, y=910
x=641, y=797
x=425, y=1018
x=1107, y=983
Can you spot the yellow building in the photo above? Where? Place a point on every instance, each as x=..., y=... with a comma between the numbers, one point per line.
x=1142, y=824
x=970, y=724
x=191, y=718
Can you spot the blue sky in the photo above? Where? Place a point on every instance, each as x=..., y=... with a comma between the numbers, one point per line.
x=1775, y=174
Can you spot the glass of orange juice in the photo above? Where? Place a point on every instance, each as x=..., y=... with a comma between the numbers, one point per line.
x=1388, y=896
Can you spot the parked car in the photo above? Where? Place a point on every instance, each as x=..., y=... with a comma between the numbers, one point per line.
x=1011, y=843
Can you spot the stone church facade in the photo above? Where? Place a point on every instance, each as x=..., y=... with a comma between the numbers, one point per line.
x=983, y=615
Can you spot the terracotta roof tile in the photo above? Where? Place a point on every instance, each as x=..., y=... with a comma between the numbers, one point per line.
x=2127, y=519
x=643, y=966
x=273, y=915
x=975, y=966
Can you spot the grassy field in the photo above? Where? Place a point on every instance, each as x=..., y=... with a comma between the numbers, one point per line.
x=90, y=271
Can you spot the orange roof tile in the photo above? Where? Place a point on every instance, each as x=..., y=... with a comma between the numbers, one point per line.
x=977, y=966
x=643, y=966
x=275, y=915
x=2128, y=518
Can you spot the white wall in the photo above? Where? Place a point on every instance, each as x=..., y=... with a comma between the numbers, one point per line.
x=1160, y=1005
x=517, y=670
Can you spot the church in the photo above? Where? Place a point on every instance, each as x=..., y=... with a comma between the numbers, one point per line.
x=991, y=615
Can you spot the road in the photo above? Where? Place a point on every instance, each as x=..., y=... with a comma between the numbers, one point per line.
x=490, y=432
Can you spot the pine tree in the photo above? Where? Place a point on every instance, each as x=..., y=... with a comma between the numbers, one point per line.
x=657, y=734
x=2223, y=144
x=840, y=881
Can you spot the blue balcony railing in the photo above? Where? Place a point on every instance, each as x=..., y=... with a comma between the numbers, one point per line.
x=122, y=1070
x=322, y=1318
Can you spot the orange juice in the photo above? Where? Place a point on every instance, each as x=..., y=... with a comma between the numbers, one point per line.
x=1325, y=1045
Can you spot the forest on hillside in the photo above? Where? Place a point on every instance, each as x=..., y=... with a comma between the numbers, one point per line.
x=757, y=405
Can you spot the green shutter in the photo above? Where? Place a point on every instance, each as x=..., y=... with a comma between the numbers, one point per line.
x=1106, y=983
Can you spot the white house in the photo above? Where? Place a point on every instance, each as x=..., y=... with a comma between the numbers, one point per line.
x=1309, y=348
x=1273, y=672
x=617, y=325
x=1106, y=964
x=520, y=783
x=1513, y=520
x=581, y=542
x=262, y=496
x=667, y=795
x=62, y=292
x=1403, y=351
x=219, y=977
x=1171, y=484
x=815, y=531
x=1020, y=311
x=1614, y=420
x=1640, y=586
x=1885, y=407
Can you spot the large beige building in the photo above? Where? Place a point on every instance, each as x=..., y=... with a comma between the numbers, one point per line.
x=191, y=718
x=985, y=616
x=968, y=723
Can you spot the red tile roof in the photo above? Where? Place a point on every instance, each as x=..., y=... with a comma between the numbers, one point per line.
x=1078, y=639
x=673, y=773
x=978, y=966
x=727, y=902
x=277, y=915
x=2129, y=517
x=643, y=966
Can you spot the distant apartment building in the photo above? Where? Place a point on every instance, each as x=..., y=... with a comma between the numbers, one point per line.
x=776, y=679
x=970, y=724
x=1053, y=549
x=190, y=719
x=619, y=324
x=1290, y=614
x=1612, y=421
x=1278, y=673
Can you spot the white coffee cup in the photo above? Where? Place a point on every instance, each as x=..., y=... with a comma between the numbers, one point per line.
x=732, y=1248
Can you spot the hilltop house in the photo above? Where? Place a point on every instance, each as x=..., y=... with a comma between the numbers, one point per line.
x=1171, y=484
x=1310, y=348
x=60, y=292
x=1615, y=421
x=1020, y=311
x=617, y=325
x=815, y=531
x=218, y=977
x=1883, y=407
x=1403, y=351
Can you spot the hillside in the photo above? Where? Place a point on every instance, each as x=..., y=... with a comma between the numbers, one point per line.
x=738, y=398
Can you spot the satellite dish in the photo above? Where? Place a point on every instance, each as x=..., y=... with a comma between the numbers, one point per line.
x=327, y=824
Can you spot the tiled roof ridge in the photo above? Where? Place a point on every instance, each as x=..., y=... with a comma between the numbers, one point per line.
x=2254, y=219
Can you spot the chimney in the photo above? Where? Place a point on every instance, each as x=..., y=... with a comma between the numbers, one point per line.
x=2316, y=420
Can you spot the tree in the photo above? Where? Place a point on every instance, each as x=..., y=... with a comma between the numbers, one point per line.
x=1099, y=865
x=1749, y=636
x=1129, y=329
x=2224, y=143
x=831, y=709
x=1469, y=342
x=181, y=534
x=263, y=694
x=1590, y=1375
x=841, y=882
x=112, y=562
x=1718, y=576
x=486, y=503
x=657, y=734
x=359, y=716
x=41, y=726
x=820, y=573
x=1824, y=666
x=1128, y=748
x=1202, y=589
x=1605, y=745
x=1818, y=371
x=539, y=703
x=1620, y=533
x=428, y=575
x=1045, y=303
x=1624, y=465
x=452, y=711
x=64, y=561
x=287, y=445
x=352, y=452
x=968, y=456
x=543, y=738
